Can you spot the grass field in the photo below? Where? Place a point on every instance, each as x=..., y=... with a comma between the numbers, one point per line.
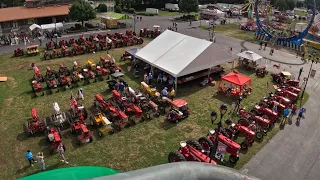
x=143, y=145
x=233, y=31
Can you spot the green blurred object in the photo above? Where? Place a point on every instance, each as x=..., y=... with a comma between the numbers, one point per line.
x=72, y=173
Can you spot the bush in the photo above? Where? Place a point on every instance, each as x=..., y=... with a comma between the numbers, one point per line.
x=131, y=10
x=117, y=9
x=102, y=8
x=77, y=26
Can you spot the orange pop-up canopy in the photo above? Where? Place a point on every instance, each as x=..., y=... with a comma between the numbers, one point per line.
x=236, y=79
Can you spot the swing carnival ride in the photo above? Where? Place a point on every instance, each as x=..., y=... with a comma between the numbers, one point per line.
x=274, y=39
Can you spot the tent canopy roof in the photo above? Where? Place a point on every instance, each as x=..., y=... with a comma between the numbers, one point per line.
x=51, y=26
x=178, y=54
x=113, y=15
x=236, y=79
x=250, y=55
x=34, y=26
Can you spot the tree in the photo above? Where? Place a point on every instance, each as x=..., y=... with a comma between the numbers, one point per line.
x=291, y=4
x=189, y=6
x=102, y=8
x=299, y=4
x=309, y=4
x=281, y=5
x=117, y=9
x=81, y=11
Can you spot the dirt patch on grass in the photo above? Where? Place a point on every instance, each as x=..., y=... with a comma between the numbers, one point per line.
x=191, y=130
x=12, y=83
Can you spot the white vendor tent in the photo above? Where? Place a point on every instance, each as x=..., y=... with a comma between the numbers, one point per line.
x=52, y=26
x=252, y=56
x=179, y=55
x=34, y=26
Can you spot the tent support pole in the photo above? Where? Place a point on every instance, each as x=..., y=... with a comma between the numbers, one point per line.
x=176, y=85
x=152, y=70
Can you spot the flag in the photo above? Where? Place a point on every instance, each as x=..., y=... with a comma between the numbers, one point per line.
x=267, y=86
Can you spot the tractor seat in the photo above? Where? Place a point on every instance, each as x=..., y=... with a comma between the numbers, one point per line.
x=123, y=98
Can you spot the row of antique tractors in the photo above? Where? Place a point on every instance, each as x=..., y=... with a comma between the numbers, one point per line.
x=67, y=78
x=130, y=107
x=51, y=126
x=91, y=44
x=251, y=125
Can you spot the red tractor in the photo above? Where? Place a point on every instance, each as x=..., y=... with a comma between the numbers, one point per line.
x=91, y=47
x=293, y=89
x=65, y=51
x=130, y=33
x=71, y=41
x=77, y=49
x=288, y=94
x=144, y=32
x=51, y=45
x=63, y=70
x=54, y=137
x=65, y=81
x=98, y=70
x=63, y=43
x=37, y=74
x=101, y=36
x=137, y=40
x=18, y=52
x=270, y=103
x=36, y=88
x=262, y=72
x=127, y=41
x=131, y=110
x=107, y=64
x=81, y=40
x=115, y=115
x=282, y=100
x=34, y=125
x=232, y=147
x=51, y=73
x=54, y=54
x=179, y=110
x=189, y=151
x=293, y=83
x=46, y=55
x=104, y=45
x=77, y=122
x=262, y=111
x=254, y=122
x=117, y=42
x=89, y=75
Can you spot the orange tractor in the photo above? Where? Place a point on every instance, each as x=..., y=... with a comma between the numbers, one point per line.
x=34, y=125
x=36, y=88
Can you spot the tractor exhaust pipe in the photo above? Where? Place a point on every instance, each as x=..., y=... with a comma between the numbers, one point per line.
x=182, y=170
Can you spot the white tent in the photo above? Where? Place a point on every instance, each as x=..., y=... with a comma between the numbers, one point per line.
x=34, y=26
x=52, y=26
x=179, y=55
x=252, y=56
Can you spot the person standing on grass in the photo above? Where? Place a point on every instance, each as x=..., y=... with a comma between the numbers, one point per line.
x=300, y=71
x=29, y=157
x=233, y=106
x=236, y=109
x=159, y=79
x=150, y=78
x=61, y=150
x=40, y=158
x=172, y=93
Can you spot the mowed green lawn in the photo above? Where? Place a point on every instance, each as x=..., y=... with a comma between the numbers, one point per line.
x=146, y=144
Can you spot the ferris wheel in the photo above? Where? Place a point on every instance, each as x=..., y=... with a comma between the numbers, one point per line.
x=263, y=29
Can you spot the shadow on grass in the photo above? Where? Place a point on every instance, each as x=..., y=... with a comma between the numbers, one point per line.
x=166, y=125
x=23, y=136
x=37, y=166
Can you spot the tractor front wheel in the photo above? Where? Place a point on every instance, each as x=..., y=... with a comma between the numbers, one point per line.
x=259, y=135
x=244, y=122
x=26, y=129
x=233, y=159
x=175, y=157
x=244, y=145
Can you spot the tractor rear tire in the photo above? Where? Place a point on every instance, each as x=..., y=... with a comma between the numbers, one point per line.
x=195, y=144
x=206, y=144
x=233, y=159
x=175, y=157
x=228, y=133
x=90, y=140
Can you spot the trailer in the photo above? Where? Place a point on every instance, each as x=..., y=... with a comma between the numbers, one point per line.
x=171, y=7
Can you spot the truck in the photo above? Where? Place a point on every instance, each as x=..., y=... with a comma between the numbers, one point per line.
x=152, y=10
x=171, y=7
